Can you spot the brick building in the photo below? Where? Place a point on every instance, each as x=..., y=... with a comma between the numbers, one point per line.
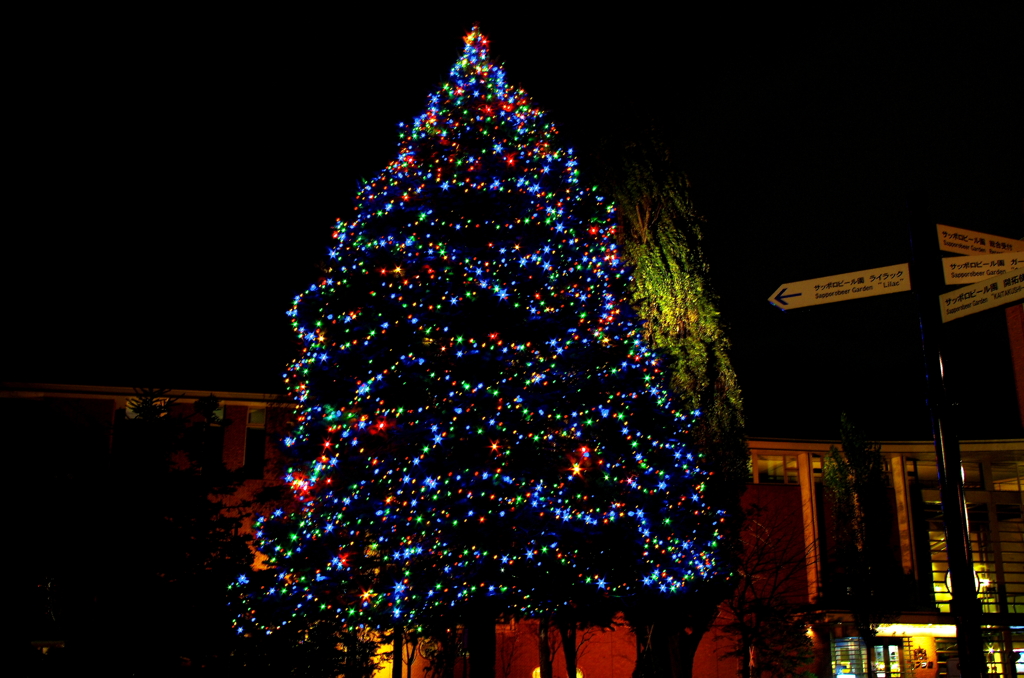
x=922, y=640
x=785, y=482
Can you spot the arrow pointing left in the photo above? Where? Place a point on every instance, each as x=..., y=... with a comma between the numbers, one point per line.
x=780, y=298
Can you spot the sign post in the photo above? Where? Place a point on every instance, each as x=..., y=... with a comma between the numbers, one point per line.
x=924, y=263
x=994, y=274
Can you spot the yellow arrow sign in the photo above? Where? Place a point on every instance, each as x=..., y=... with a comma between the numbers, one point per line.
x=982, y=296
x=966, y=270
x=856, y=285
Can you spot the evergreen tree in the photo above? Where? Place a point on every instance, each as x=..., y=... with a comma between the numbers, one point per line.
x=317, y=649
x=482, y=424
x=186, y=543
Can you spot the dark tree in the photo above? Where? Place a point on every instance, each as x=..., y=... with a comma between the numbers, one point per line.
x=865, y=577
x=181, y=540
x=318, y=649
x=768, y=612
x=131, y=551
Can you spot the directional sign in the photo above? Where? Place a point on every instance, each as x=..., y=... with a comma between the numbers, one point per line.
x=966, y=270
x=962, y=241
x=1005, y=289
x=856, y=285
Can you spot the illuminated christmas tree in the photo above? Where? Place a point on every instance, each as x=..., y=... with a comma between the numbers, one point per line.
x=480, y=419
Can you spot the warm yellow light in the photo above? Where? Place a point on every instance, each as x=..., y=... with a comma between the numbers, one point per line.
x=536, y=673
x=930, y=630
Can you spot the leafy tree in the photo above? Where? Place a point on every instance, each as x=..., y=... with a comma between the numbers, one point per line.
x=670, y=290
x=661, y=239
x=482, y=425
x=864, y=576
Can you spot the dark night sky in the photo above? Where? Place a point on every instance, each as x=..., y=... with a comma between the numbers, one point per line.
x=179, y=176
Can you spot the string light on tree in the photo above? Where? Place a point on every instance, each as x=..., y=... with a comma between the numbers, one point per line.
x=477, y=410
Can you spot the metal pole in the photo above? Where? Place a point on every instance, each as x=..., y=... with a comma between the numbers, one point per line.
x=927, y=281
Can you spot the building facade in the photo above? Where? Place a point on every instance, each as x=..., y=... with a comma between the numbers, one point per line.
x=920, y=641
x=785, y=498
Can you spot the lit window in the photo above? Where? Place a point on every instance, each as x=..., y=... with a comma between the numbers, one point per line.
x=776, y=469
x=255, y=444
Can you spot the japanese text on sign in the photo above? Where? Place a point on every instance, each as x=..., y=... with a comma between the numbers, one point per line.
x=858, y=284
x=963, y=241
x=965, y=270
x=982, y=296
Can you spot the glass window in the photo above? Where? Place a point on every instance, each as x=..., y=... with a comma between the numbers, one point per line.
x=779, y=469
x=977, y=513
x=886, y=660
x=770, y=469
x=887, y=472
x=926, y=472
x=849, y=658
x=791, y=471
x=972, y=476
x=1006, y=476
x=1010, y=533
x=1009, y=513
x=937, y=547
